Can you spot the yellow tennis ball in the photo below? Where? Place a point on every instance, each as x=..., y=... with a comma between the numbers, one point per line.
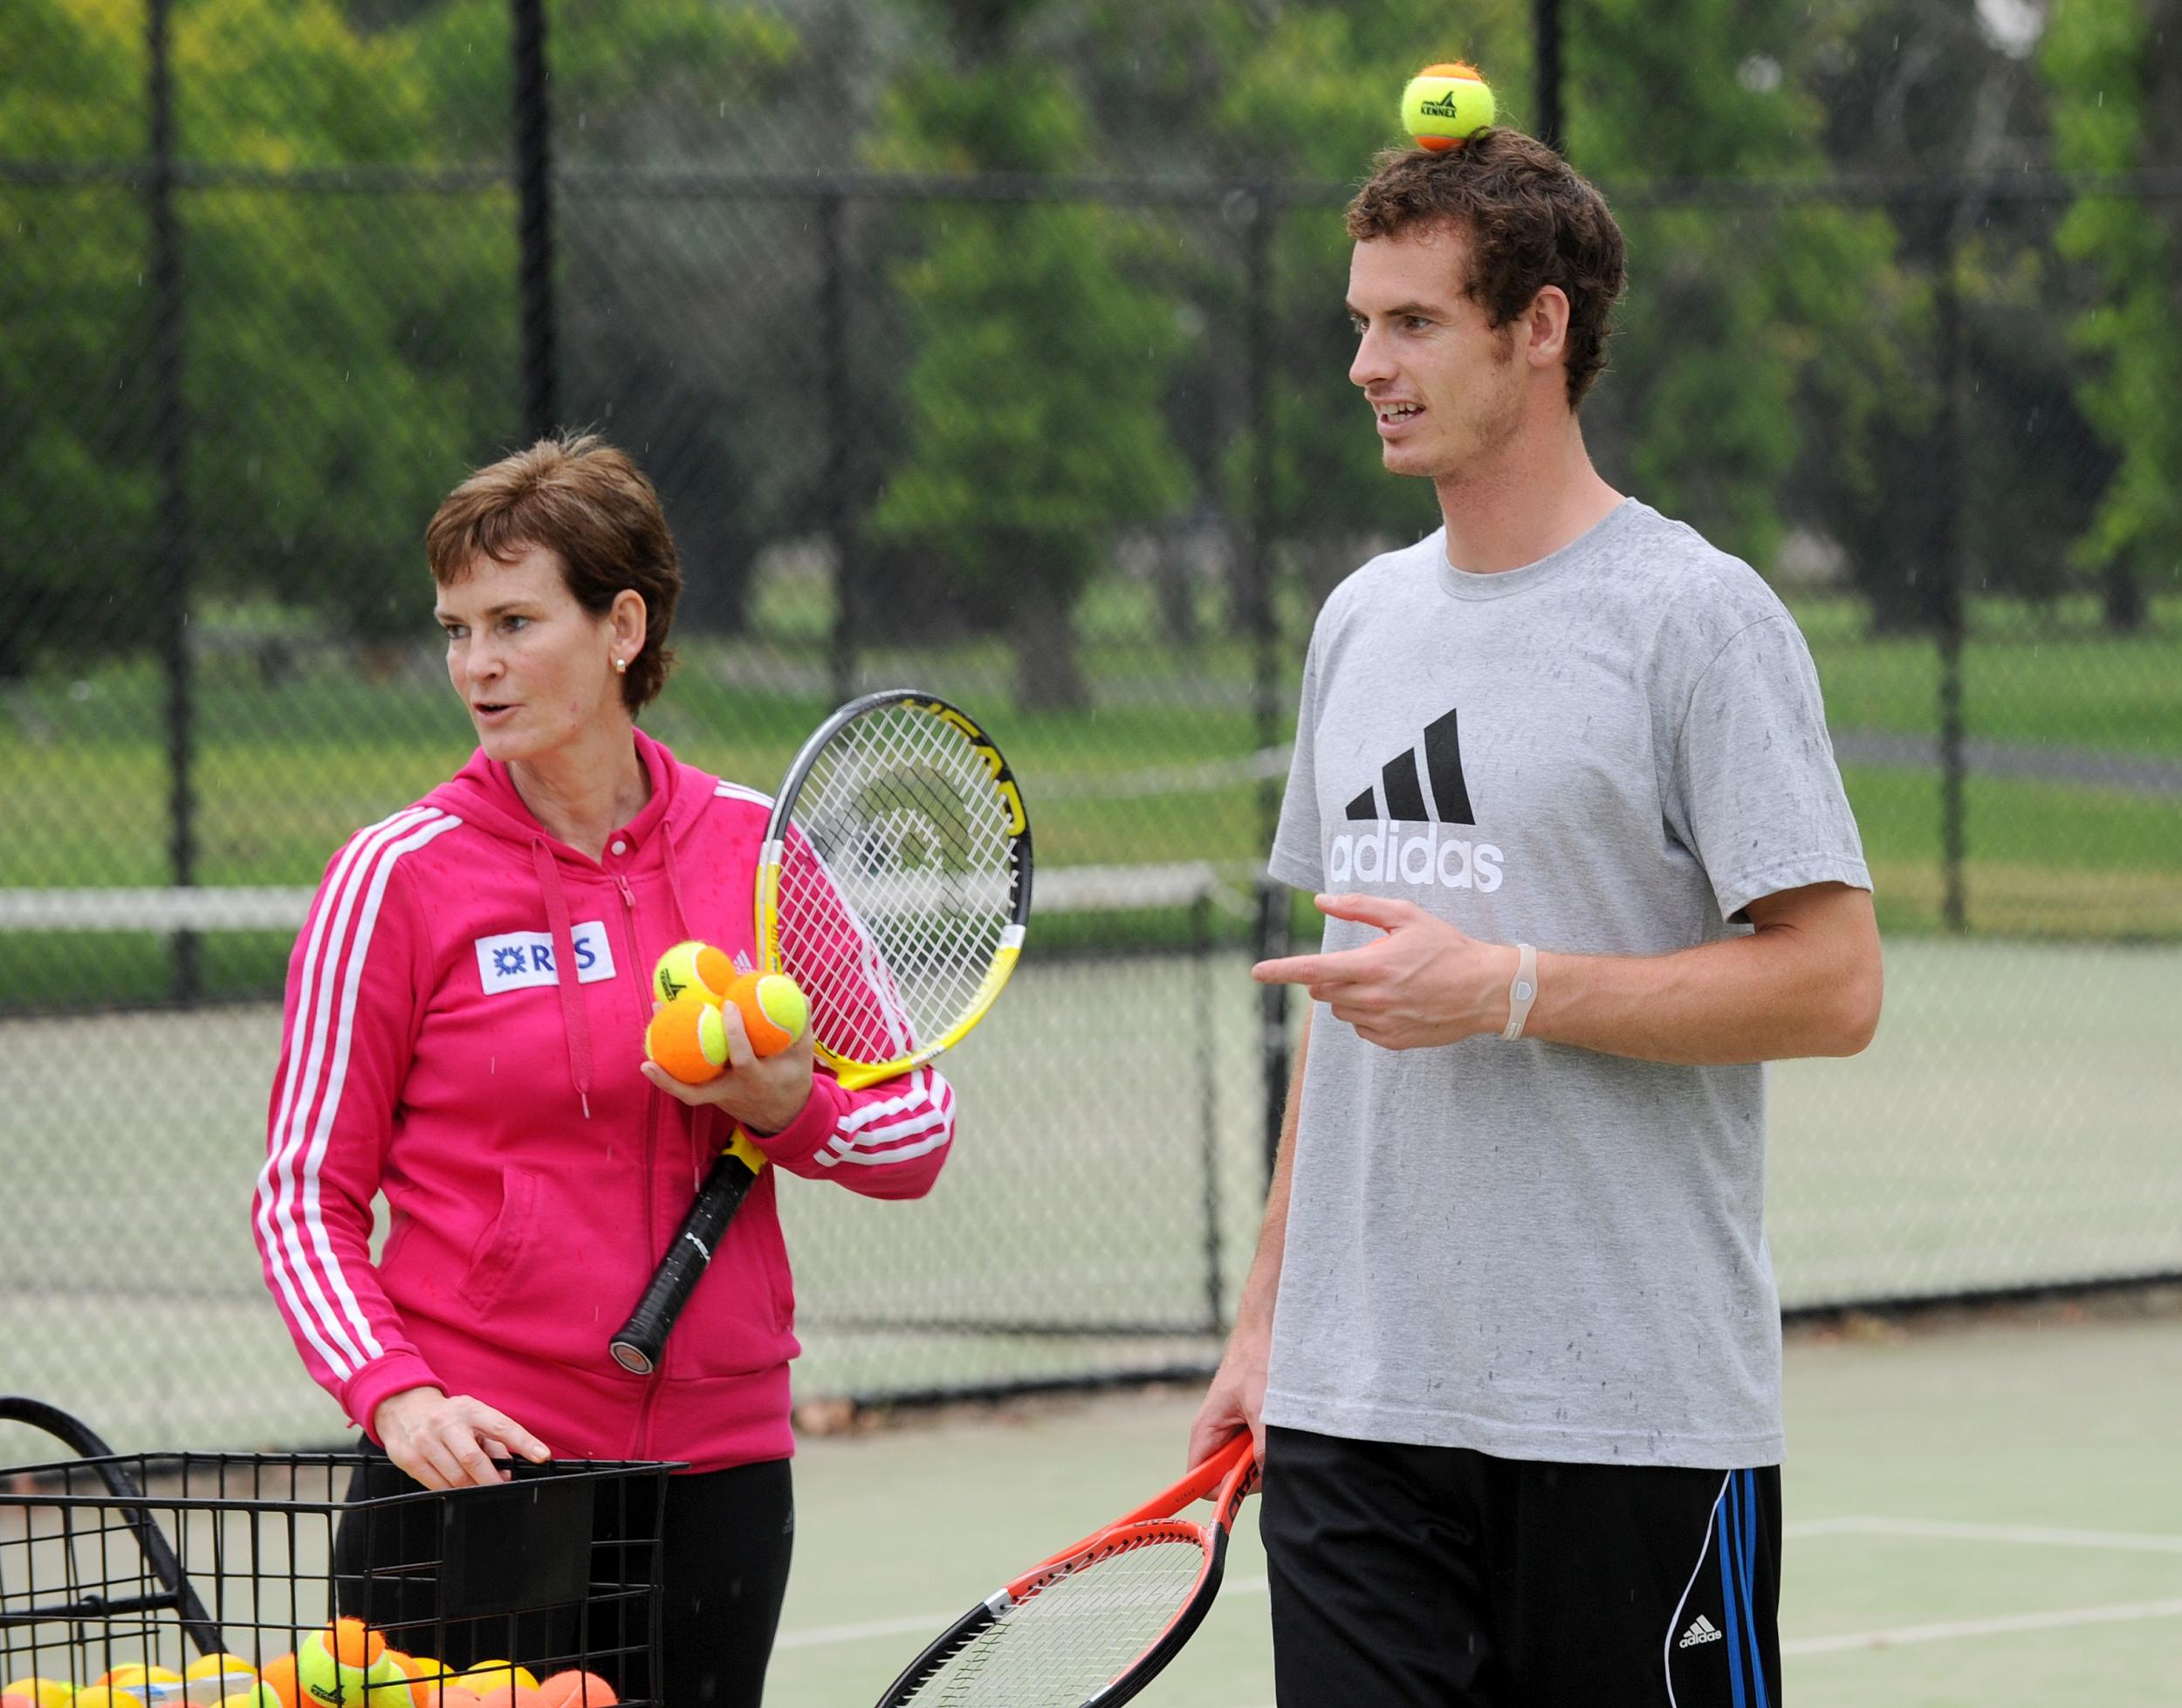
x=253, y=1696
x=46, y=1692
x=687, y=1039
x=1442, y=106
x=773, y=1008
x=498, y=1681
x=692, y=966
x=100, y=1697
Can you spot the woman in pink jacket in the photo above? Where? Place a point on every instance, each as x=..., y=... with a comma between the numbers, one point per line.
x=465, y=1011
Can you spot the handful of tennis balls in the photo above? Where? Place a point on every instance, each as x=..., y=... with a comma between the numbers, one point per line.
x=694, y=983
x=1444, y=105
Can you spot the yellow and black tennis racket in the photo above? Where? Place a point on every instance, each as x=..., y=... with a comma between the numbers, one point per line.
x=893, y=886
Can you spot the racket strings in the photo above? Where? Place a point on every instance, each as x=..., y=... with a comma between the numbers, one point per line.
x=898, y=884
x=1068, y=1638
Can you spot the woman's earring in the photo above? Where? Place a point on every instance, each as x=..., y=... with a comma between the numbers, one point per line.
x=620, y=667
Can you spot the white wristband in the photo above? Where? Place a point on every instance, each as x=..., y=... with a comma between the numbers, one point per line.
x=1522, y=991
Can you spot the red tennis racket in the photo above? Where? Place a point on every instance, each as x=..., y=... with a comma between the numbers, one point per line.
x=1096, y=1623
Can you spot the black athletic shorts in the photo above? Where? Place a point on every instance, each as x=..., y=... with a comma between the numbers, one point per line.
x=723, y=1563
x=1437, y=1577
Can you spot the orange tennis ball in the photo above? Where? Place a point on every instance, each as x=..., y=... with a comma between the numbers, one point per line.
x=687, y=1039
x=576, y=1690
x=41, y=1692
x=280, y=1675
x=773, y=1009
x=692, y=966
x=1442, y=106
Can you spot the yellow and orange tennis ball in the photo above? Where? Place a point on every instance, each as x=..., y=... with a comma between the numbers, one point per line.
x=773, y=1008
x=337, y=1666
x=1444, y=105
x=45, y=1693
x=499, y=1682
x=687, y=1039
x=691, y=965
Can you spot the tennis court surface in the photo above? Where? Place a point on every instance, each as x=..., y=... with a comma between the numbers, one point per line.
x=1982, y=1513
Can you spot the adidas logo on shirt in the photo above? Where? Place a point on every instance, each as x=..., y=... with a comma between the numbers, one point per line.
x=1433, y=860
x=1703, y=1631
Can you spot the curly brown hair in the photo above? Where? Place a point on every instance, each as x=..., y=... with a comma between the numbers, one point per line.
x=587, y=503
x=1531, y=221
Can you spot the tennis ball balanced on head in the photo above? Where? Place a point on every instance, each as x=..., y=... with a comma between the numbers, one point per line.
x=1444, y=105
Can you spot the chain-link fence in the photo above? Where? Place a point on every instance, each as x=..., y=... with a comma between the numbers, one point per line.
x=1082, y=453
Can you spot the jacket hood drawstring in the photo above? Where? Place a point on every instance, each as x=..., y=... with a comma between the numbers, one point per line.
x=704, y=1143
x=572, y=1019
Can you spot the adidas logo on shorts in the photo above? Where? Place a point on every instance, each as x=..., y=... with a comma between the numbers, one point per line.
x=1703, y=1631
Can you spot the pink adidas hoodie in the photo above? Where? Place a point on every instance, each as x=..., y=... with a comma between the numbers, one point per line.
x=437, y=1049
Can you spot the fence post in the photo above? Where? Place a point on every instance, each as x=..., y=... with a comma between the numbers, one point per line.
x=1944, y=583
x=1545, y=58
x=1265, y=625
x=534, y=218
x=841, y=440
x=170, y=437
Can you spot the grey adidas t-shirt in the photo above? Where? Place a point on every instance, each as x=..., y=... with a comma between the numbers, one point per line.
x=1527, y=1249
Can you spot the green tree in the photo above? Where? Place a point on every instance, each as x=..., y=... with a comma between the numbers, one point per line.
x=349, y=317
x=1042, y=354
x=2115, y=70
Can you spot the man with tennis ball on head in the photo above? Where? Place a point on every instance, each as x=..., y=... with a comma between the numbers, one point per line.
x=1563, y=785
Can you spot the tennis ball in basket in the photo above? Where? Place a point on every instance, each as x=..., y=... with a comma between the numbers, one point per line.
x=1443, y=104
x=337, y=1666
x=137, y=1679
x=692, y=966
x=9, y=1699
x=279, y=1677
x=220, y=1666
x=773, y=1009
x=496, y=1682
x=576, y=1690
x=687, y=1039
x=256, y=1696
x=44, y=1692
x=103, y=1696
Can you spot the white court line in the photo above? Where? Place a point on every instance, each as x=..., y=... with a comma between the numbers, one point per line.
x=931, y=1625
x=1949, y=1530
x=2021, y=1621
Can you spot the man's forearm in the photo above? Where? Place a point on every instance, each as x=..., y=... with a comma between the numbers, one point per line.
x=1254, y=1308
x=1804, y=984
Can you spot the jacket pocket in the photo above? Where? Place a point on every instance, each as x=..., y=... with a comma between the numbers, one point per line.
x=500, y=1253
x=737, y=1320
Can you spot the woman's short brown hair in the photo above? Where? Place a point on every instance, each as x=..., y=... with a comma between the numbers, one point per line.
x=587, y=503
x=1530, y=221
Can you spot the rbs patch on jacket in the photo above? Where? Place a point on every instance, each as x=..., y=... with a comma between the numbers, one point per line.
x=518, y=960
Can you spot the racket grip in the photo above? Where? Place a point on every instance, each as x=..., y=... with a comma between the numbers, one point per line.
x=643, y=1337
